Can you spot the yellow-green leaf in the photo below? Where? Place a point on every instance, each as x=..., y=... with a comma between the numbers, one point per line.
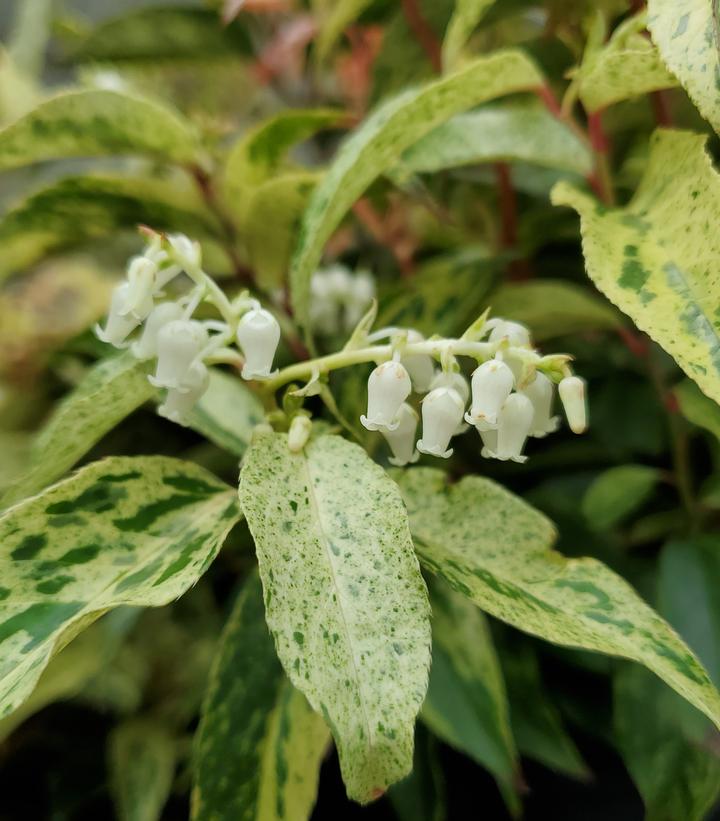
x=381, y=140
x=656, y=258
x=465, y=18
x=697, y=408
x=138, y=531
x=97, y=123
x=345, y=599
x=497, y=550
x=259, y=746
x=616, y=493
x=685, y=33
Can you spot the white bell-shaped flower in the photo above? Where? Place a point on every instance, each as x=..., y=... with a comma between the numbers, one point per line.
x=360, y=294
x=514, y=421
x=540, y=392
x=146, y=346
x=141, y=281
x=420, y=366
x=491, y=385
x=178, y=403
x=179, y=343
x=442, y=412
x=186, y=252
x=490, y=443
x=572, y=395
x=258, y=335
x=402, y=439
x=515, y=333
x=388, y=387
x=119, y=324
x=454, y=380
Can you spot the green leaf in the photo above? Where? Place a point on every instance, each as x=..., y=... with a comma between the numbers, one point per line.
x=141, y=759
x=524, y=132
x=466, y=704
x=163, y=34
x=137, y=531
x=628, y=65
x=684, y=31
x=97, y=123
x=271, y=222
x=616, y=493
x=381, y=140
x=30, y=34
x=553, y=307
x=653, y=257
x=464, y=20
x=495, y=549
x=697, y=408
x=421, y=796
x=227, y=412
x=76, y=210
x=110, y=390
x=338, y=17
x=676, y=776
x=536, y=722
x=345, y=599
x=259, y=746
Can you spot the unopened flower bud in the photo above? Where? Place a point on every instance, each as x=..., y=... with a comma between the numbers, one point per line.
x=516, y=334
x=388, y=387
x=119, y=325
x=299, y=433
x=420, y=366
x=491, y=385
x=540, y=393
x=141, y=281
x=178, y=403
x=178, y=345
x=402, y=439
x=258, y=335
x=146, y=346
x=514, y=421
x=442, y=412
x=572, y=395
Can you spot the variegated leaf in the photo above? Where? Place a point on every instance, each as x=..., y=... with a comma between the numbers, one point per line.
x=137, y=531
x=656, y=258
x=497, y=550
x=260, y=745
x=344, y=596
x=381, y=140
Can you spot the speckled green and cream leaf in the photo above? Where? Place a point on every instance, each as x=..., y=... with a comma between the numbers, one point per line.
x=497, y=550
x=627, y=66
x=227, y=412
x=466, y=704
x=127, y=530
x=142, y=754
x=656, y=258
x=465, y=18
x=259, y=747
x=110, y=390
x=97, y=123
x=554, y=307
x=686, y=35
x=523, y=132
x=345, y=599
x=381, y=140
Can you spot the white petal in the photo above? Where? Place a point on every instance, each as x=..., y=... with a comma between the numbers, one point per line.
x=491, y=385
x=402, y=439
x=540, y=392
x=178, y=344
x=514, y=421
x=442, y=411
x=572, y=394
x=388, y=387
x=146, y=346
x=258, y=335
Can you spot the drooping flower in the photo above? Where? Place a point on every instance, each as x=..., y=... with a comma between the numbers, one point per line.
x=119, y=323
x=258, y=335
x=179, y=343
x=490, y=443
x=388, y=387
x=141, y=288
x=180, y=401
x=442, y=412
x=516, y=334
x=572, y=395
x=540, y=392
x=491, y=385
x=420, y=366
x=402, y=439
x=454, y=380
x=187, y=252
x=146, y=346
x=514, y=421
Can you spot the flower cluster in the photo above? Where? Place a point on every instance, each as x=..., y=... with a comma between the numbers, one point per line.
x=510, y=395
x=182, y=346
x=339, y=299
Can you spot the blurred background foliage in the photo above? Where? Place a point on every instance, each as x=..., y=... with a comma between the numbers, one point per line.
x=114, y=714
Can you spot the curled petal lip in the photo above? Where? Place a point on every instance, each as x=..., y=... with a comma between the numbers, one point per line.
x=250, y=373
x=434, y=450
x=378, y=423
x=481, y=421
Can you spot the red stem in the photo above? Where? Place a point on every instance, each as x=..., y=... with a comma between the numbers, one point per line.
x=424, y=33
x=661, y=109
